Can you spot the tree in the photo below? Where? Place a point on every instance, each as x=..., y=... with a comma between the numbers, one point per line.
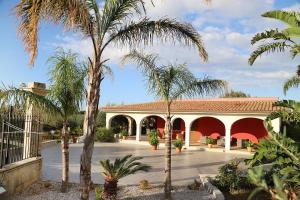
x=113, y=24
x=235, y=94
x=294, y=81
x=281, y=40
x=121, y=168
x=63, y=100
x=169, y=83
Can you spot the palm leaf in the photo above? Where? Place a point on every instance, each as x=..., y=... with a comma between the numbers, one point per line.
x=293, y=32
x=267, y=48
x=270, y=34
x=145, y=31
x=289, y=17
x=292, y=82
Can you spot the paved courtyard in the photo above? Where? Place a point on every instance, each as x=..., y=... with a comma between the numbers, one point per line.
x=185, y=166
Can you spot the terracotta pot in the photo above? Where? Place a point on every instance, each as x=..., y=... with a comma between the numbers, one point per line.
x=178, y=150
x=209, y=145
x=74, y=139
x=249, y=149
x=125, y=137
x=154, y=147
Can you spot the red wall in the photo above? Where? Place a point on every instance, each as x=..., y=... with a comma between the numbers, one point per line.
x=249, y=128
x=160, y=126
x=208, y=126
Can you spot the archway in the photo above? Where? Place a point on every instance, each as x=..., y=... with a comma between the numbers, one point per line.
x=204, y=127
x=153, y=122
x=252, y=129
x=178, y=129
x=123, y=122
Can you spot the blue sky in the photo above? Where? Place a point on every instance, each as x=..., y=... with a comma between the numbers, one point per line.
x=226, y=27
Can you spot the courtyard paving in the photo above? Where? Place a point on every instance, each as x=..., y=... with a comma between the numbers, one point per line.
x=185, y=166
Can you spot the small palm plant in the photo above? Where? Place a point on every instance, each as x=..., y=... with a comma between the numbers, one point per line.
x=121, y=168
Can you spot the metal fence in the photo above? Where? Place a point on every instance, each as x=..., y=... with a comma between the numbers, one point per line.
x=19, y=137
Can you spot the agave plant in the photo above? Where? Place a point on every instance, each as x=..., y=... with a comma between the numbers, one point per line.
x=120, y=168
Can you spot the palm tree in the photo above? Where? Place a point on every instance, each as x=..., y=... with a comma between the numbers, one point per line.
x=282, y=40
x=113, y=172
x=114, y=24
x=63, y=100
x=169, y=83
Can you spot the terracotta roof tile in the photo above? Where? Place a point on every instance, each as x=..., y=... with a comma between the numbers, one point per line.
x=218, y=105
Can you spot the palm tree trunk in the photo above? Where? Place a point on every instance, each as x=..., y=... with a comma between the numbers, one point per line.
x=89, y=129
x=65, y=158
x=110, y=190
x=168, y=139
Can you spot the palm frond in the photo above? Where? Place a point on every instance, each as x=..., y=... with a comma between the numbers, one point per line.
x=293, y=32
x=145, y=31
x=23, y=99
x=292, y=82
x=115, y=12
x=270, y=34
x=291, y=18
x=30, y=13
x=267, y=48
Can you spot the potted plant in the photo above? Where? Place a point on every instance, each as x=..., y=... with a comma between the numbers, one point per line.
x=178, y=144
x=124, y=135
x=249, y=145
x=209, y=142
x=153, y=139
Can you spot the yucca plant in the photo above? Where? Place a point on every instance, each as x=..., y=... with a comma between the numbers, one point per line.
x=120, y=168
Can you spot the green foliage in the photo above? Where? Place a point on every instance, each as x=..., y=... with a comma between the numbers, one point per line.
x=99, y=193
x=124, y=133
x=249, y=143
x=209, y=140
x=235, y=94
x=144, y=184
x=122, y=167
x=101, y=119
x=104, y=135
x=178, y=143
x=283, y=155
x=230, y=178
x=153, y=137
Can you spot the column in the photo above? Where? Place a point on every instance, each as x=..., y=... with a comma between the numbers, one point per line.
x=227, y=137
x=138, y=129
x=187, y=133
x=129, y=125
x=108, y=121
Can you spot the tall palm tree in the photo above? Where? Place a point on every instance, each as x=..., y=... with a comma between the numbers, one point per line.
x=169, y=83
x=281, y=40
x=114, y=24
x=121, y=168
x=63, y=100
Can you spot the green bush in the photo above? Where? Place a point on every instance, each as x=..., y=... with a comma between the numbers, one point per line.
x=178, y=143
x=99, y=193
x=153, y=138
x=230, y=178
x=124, y=133
x=104, y=135
x=209, y=140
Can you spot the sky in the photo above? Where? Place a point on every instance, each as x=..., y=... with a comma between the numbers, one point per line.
x=226, y=27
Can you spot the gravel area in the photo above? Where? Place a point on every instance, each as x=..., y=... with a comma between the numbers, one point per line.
x=46, y=190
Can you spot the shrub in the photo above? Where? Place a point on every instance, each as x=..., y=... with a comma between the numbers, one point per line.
x=249, y=143
x=124, y=133
x=153, y=138
x=99, y=193
x=178, y=143
x=104, y=135
x=230, y=178
x=209, y=140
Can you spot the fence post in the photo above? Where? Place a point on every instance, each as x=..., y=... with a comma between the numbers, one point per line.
x=31, y=146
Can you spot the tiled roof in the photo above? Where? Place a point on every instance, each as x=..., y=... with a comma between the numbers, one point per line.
x=218, y=105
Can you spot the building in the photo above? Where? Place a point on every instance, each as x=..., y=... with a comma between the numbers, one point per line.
x=227, y=120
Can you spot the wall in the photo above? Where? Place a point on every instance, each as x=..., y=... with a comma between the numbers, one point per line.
x=207, y=126
x=18, y=176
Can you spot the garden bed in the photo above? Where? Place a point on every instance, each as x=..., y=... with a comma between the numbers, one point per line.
x=46, y=190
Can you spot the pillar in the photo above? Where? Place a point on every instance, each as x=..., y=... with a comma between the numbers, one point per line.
x=187, y=133
x=129, y=125
x=108, y=121
x=227, y=137
x=33, y=127
x=138, y=129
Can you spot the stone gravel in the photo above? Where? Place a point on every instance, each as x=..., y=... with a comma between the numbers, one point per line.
x=45, y=190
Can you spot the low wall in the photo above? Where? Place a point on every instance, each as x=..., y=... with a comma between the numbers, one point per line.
x=210, y=188
x=19, y=175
